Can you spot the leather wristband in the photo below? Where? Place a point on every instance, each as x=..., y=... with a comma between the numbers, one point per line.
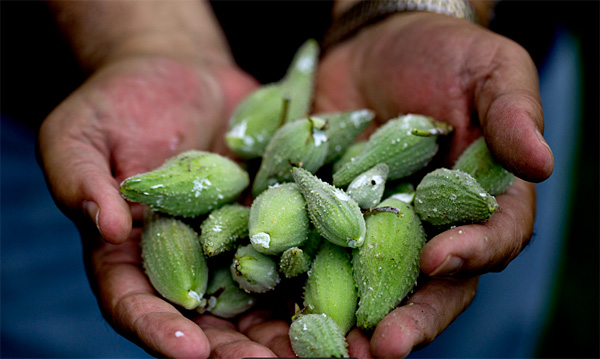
x=367, y=12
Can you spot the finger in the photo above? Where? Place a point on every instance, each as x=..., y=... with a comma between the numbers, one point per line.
x=133, y=308
x=358, y=344
x=273, y=334
x=427, y=313
x=79, y=176
x=480, y=248
x=255, y=317
x=508, y=102
x=227, y=343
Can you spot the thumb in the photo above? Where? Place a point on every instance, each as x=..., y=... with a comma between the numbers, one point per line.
x=511, y=117
x=79, y=177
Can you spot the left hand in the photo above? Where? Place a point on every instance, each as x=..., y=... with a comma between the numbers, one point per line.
x=480, y=83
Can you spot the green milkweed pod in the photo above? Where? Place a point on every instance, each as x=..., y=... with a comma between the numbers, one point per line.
x=335, y=215
x=293, y=262
x=173, y=260
x=223, y=228
x=301, y=142
x=259, y=115
x=190, y=184
x=278, y=219
x=224, y=296
x=352, y=151
x=255, y=120
x=297, y=260
x=446, y=198
x=330, y=287
x=405, y=144
x=386, y=266
x=253, y=271
x=299, y=80
x=477, y=161
x=367, y=189
x=317, y=336
x=342, y=128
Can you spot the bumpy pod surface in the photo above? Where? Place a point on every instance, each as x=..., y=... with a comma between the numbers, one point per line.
x=224, y=296
x=335, y=215
x=446, y=198
x=223, y=228
x=330, y=287
x=317, y=336
x=259, y=115
x=395, y=145
x=342, y=128
x=297, y=260
x=253, y=271
x=278, y=219
x=352, y=151
x=367, y=188
x=477, y=161
x=301, y=143
x=190, y=184
x=386, y=267
x=173, y=260
x=294, y=262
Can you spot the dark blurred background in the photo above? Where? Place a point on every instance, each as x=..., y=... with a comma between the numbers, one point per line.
x=47, y=309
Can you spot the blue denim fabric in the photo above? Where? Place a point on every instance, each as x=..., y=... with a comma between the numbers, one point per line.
x=48, y=309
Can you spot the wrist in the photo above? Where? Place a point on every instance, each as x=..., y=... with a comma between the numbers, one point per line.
x=101, y=32
x=352, y=16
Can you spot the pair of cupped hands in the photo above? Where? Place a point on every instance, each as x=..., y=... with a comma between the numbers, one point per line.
x=135, y=112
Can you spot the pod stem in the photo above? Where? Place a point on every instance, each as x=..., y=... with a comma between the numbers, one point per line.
x=390, y=209
x=285, y=108
x=440, y=129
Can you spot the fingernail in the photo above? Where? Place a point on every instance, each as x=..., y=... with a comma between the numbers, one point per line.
x=542, y=139
x=450, y=266
x=93, y=211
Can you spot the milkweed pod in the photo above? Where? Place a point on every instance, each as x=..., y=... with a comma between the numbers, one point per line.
x=301, y=143
x=253, y=271
x=190, y=184
x=405, y=144
x=299, y=80
x=330, y=287
x=367, y=189
x=477, y=161
x=278, y=219
x=297, y=260
x=446, y=198
x=224, y=296
x=223, y=228
x=335, y=215
x=257, y=118
x=348, y=155
x=317, y=336
x=342, y=128
x=173, y=260
x=386, y=266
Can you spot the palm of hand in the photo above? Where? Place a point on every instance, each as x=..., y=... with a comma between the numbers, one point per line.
x=480, y=83
x=126, y=119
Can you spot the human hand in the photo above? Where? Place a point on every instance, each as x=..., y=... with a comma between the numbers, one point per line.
x=128, y=118
x=480, y=83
